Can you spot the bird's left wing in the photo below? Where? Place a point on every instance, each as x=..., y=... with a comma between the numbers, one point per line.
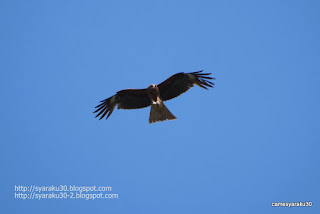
x=125, y=99
x=182, y=82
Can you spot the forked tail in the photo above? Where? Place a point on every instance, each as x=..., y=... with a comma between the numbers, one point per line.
x=159, y=112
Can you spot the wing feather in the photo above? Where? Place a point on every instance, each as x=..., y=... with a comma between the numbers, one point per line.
x=125, y=99
x=133, y=99
x=182, y=82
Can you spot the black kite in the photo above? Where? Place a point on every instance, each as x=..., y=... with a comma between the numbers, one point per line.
x=154, y=95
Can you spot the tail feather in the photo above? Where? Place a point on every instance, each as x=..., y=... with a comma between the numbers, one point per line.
x=159, y=112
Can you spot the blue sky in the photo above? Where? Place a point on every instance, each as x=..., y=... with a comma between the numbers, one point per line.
x=250, y=141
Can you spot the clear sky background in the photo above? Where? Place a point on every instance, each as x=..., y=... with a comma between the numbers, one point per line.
x=250, y=141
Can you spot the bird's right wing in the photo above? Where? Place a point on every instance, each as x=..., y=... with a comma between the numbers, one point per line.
x=125, y=99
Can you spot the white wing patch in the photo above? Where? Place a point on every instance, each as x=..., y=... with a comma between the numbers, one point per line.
x=113, y=99
x=192, y=77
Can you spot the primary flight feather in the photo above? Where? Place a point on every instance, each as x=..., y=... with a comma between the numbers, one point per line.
x=154, y=95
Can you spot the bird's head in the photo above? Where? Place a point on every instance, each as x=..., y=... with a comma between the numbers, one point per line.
x=153, y=87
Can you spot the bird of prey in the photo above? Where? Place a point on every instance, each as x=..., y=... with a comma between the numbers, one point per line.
x=154, y=95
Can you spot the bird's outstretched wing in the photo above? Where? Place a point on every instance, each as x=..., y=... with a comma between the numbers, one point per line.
x=125, y=99
x=182, y=82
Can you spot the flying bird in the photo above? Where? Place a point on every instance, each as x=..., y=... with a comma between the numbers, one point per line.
x=154, y=95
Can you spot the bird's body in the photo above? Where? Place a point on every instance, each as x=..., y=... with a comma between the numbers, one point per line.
x=154, y=95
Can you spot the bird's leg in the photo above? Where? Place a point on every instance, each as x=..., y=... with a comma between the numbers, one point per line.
x=157, y=102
